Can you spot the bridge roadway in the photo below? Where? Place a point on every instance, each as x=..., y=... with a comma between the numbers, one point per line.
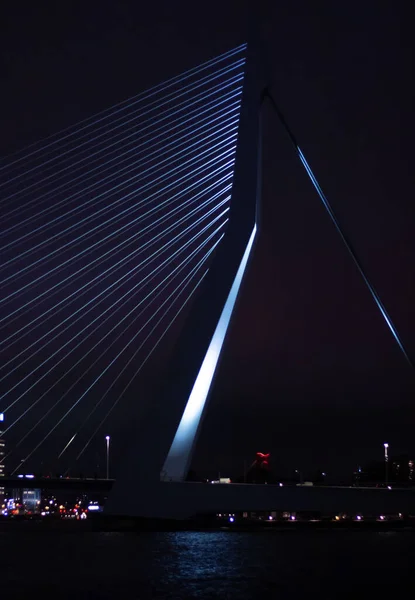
x=57, y=483
x=184, y=500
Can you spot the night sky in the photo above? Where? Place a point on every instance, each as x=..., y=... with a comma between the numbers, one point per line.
x=310, y=372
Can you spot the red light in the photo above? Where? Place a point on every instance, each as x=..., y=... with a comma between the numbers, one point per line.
x=262, y=459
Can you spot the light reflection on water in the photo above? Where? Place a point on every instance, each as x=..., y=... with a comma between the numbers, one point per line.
x=197, y=565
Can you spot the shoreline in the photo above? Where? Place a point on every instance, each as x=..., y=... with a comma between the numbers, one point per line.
x=122, y=524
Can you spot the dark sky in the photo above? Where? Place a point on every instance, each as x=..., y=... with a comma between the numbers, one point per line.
x=310, y=372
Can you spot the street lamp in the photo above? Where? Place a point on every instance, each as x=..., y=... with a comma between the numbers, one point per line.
x=108, y=455
x=386, y=446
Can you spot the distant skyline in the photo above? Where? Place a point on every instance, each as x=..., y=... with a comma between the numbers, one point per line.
x=310, y=373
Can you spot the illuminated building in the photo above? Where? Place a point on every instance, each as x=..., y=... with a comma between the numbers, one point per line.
x=2, y=452
x=27, y=499
x=31, y=500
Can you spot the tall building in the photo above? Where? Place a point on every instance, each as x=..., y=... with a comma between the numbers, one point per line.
x=2, y=452
x=31, y=500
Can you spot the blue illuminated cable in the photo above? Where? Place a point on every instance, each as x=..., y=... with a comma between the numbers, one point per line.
x=340, y=231
x=140, y=175
x=132, y=222
x=102, y=225
x=185, y=106
x=171, y=275
x=105, y=142
x=86, y=288
x=123, y=279
x=120, y=186
x=117, y=325
x=69, y=185
x=163, y=285
x=13, y=294
x=152, y=197
x=46, y=293
x=4, y=395
x=176, y=293
x=209, y=106
x=82, y=312
x=129, y=101
x=129, y=182
x=81, y=342
x=56, y=207
x=71, y=167
x=90, y=265
x=76, y=295
x=26, y=156
x=226, y=131
x=82, y=395
x=119, y=216
x=202, y=82
x=231, y=125
x=73, y=243
x=144, y=361
x=98, y=378
x=49, y=290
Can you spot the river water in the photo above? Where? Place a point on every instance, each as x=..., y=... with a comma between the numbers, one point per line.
x=220, y=564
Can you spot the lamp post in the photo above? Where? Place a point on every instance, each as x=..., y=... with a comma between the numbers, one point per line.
x=386, y=446
x=108, y=455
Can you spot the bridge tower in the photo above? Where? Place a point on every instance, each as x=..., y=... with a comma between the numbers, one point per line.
x=154, y=487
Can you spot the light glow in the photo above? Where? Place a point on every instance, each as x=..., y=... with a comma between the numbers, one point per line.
x=179, y=453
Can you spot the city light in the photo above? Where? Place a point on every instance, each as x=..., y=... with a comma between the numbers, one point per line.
x=386, y=446
x=107, y=438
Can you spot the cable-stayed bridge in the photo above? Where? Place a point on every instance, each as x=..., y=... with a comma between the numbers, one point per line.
x=107, y=232
x=113, y=231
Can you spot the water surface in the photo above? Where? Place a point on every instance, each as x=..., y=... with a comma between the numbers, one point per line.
x=224, y=564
